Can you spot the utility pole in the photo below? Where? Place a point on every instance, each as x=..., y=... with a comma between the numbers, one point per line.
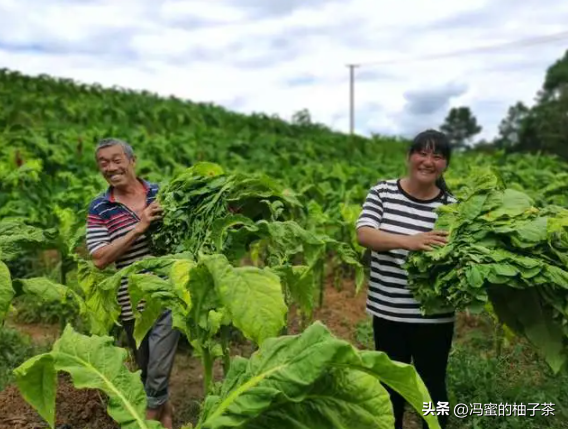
x=352, y=97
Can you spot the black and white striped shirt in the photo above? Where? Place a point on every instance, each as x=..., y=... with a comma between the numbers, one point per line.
x=389, y=208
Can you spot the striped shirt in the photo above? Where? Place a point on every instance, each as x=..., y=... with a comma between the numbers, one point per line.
x=389, y=208
x=109, y=220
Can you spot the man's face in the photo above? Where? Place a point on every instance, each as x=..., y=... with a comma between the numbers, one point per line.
x=115, y=166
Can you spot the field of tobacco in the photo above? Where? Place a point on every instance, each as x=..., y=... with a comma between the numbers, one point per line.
x=257, y=211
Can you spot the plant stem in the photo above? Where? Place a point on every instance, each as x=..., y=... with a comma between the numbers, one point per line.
x=498, y=338
x=207, y=360
x=63, y=269
x=320, y=273
x=225, y=340
x=63, y=274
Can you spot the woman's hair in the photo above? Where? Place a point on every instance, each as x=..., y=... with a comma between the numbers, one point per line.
x=438, y=143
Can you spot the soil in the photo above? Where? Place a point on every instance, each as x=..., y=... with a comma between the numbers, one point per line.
x=342, y=310
x=74, y=409
x=39, y=333
x=85, y=409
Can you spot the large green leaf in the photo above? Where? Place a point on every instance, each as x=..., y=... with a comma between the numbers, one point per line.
x=312, y=380
x=253, y=297
x=93, y=363
x=299, y=281
x=523, y=311
x=6, y=291
x=37, y=381
x=158, y=294
x=102, y=307
x=16, y=236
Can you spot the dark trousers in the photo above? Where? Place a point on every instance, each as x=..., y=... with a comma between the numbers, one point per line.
x=428, y=346
x=155, y=357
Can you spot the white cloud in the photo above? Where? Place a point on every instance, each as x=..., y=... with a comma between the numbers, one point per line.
x=201, y=10
x=280, y=57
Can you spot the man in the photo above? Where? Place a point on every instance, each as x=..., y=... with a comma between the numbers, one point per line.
x=116, y=233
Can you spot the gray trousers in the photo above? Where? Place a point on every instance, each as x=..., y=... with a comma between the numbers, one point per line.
x=155, y=357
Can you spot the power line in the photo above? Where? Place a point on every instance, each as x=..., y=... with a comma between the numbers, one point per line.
x=481, y=49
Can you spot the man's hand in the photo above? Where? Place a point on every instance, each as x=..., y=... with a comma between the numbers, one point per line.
x=150, y=213
x=108, y=254
x=424, y=240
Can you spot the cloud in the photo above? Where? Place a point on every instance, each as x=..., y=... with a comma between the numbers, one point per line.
x=371, y=75
x=501, y=16
x=423, y=108
x=303, y=80
x=432, y=100
x=279, y=57
x=263, y=8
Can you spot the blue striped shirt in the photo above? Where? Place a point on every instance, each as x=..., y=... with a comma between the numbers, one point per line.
x=108, y=220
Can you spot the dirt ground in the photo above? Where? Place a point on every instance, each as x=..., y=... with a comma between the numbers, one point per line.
x=85, y=409
x=74, y=409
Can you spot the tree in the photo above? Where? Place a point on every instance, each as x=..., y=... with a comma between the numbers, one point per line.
x=460, y=126
x=510, y=128
x=544, y=127
x=551, y=111
x=484, y=146
x=555, y=85
x=302, y=117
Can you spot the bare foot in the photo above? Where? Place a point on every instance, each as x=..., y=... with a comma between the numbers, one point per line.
x=167, y=419
x=154, y=413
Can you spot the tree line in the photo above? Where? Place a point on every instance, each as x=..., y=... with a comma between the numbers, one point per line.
x=540, y=128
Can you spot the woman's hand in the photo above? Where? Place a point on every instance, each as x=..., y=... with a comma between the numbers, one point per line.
x=424, y=240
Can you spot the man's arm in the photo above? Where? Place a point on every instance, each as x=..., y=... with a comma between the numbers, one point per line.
x=103, y=251
x=107, y=254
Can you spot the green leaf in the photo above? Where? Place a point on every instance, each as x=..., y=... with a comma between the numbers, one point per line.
x=253, y=297
x=44, y=289
x=524, y=312
x=37, y=380
x=16, y=236
x=6, y=291
x=159, y=295
x=510, y=203
x=93, y=363
x=300, y=282
x=312, y=380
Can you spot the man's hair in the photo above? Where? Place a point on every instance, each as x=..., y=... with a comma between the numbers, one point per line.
x=111, y=141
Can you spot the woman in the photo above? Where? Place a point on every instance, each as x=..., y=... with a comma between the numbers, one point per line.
x=398, y=217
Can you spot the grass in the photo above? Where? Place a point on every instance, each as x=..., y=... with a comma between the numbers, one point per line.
x=15, y=349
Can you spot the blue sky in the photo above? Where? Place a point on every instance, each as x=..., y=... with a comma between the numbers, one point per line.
x=282, y=56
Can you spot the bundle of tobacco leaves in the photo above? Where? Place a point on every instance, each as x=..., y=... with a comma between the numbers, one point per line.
x=203, y=199
x=504, y=251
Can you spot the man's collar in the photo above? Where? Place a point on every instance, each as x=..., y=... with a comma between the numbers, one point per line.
x=109, y=194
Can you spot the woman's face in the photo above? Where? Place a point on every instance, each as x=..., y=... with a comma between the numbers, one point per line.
x=425, y=166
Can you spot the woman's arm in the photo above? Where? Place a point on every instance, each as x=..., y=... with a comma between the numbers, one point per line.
x=381, y=241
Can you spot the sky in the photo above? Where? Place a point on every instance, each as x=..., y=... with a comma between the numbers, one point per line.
x=282, y=56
